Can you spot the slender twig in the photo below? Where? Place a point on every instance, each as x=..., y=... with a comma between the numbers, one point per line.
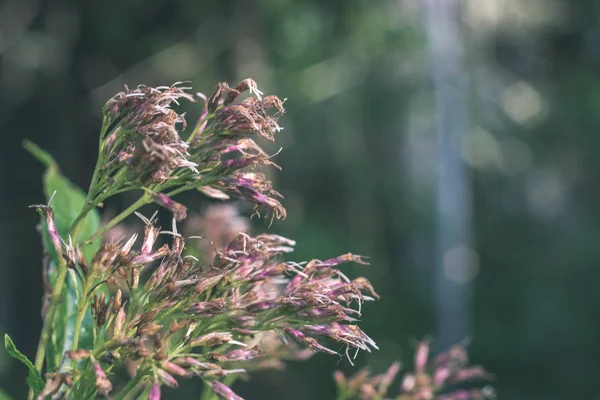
x=82, y=308
x=90, y=200
x=131, y=385
x=48, y=322
x=146, y=198
x=78, y=223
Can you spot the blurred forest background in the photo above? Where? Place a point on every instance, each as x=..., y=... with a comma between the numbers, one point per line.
x=359, y=160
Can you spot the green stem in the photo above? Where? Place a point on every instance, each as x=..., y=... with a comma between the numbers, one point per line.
x=133, y=392
x=90, y=203
x=179, y=190
x=48, y=321
x=202, y=182
x=78, y=223
x=199, y=124
x=131, y=385
x=82, y=309
x=146, y=198
x=230, y=380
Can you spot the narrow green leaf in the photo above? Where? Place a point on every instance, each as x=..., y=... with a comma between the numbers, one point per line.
x=33, y=379
x=4, y=395
x=42, y=156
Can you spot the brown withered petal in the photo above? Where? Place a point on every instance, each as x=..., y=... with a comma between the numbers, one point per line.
x=149, y=148
x=238, y=355
x=177, y=326
x=147, y=329
x=119, y=322
x=191, y=362
x=217, y=98
x=117, y=301
x=78, y=355
x=135, y=278
x=312, y=343
x=106, y=255
x=212, y=339
x=149, y=316
x=53, y=383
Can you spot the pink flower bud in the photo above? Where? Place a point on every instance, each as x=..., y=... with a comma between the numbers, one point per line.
x=154, y=392
x=174, y=369
x=166, y=378
x=422, y=355
x=179, y=210
x=224, y=391
x=51, y=226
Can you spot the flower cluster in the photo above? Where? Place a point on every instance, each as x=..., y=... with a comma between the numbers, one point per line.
x=141, y=136
x=189, y=319
x=442, y=378
x=142, y=146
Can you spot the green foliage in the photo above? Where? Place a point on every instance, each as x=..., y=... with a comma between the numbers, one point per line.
x=4, y=395
x=33, y=379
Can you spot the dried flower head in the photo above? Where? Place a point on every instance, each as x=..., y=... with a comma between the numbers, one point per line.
x=142, y=145
x=142, y=138
x=232, y=310
x=447, y=377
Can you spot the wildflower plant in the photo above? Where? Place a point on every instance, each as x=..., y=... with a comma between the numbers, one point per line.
x=448, y=376
x=157, y=310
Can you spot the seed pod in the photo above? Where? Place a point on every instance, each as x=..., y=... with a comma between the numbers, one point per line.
x=177, y=326
x=135, y=278
x=149, y=316
x=117, y=301
x=119, y=322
